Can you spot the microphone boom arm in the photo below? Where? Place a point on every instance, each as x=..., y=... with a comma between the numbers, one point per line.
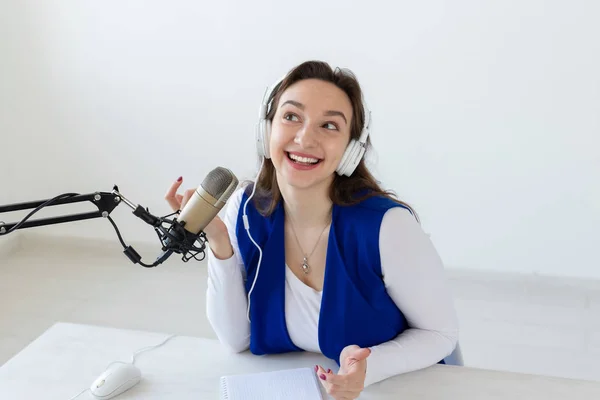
x=106, y=202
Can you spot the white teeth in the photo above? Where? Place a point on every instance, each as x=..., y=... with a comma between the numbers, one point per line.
x=305, y=160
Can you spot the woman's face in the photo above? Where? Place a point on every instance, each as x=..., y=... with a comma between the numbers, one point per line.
x=310, y=132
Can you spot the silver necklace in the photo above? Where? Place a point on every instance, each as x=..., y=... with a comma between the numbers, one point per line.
x=305, y=265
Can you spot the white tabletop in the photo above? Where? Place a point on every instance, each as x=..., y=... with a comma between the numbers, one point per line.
x=68, y=357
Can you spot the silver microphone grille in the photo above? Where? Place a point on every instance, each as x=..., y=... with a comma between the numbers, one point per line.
x=220, y=183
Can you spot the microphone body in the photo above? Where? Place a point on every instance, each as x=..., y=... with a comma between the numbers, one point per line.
x=202, y=207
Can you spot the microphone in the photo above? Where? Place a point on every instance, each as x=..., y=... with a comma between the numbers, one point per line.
x=202, y=207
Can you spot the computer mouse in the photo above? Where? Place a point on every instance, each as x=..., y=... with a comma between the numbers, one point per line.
x=117, y=378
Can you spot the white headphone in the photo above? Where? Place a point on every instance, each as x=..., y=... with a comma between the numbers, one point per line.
x=352, y=156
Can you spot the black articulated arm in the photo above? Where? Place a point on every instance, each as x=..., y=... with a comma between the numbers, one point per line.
x=174, y=238
x=106, y=203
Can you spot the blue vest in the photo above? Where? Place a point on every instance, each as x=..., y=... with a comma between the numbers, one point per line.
x=355, y=306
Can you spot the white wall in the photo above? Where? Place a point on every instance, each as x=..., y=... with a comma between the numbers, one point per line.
x=492, y=109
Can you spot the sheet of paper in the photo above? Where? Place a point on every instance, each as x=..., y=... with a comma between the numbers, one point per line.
x=289, y=384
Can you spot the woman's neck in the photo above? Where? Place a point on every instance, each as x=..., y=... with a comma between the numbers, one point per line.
x=308, y=208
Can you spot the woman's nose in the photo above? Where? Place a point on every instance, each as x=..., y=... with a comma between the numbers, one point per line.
x=306, y=137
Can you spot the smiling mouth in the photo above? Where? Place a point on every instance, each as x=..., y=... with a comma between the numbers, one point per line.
x=303, y=160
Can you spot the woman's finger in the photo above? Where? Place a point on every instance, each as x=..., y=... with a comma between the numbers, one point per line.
x=321, y=374
x=172, y=197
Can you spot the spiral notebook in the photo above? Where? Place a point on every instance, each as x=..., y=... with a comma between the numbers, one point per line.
x=289, y=384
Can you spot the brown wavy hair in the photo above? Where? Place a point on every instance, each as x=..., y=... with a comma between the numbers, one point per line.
x=345, y=190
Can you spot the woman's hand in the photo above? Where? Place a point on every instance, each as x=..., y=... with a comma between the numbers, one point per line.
x=216, y=230
x=349, y=382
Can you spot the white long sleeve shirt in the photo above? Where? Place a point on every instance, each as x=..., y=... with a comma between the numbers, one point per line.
x=414, y=277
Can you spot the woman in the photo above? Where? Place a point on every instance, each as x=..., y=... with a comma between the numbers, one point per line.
x=329, y=262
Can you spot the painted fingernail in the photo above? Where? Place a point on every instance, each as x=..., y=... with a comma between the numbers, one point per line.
x=179, y=179
x=329, y=371
x=316, y=368
x=322, y=376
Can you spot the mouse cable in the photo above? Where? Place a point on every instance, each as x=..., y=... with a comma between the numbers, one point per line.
x=80, y=393
x=133, y=357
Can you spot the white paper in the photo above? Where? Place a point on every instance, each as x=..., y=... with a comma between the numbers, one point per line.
x=289, y=384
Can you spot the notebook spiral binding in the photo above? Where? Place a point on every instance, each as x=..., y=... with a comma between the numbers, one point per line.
x=224, y=393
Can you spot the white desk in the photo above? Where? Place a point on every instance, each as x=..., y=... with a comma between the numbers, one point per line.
x=68, y=357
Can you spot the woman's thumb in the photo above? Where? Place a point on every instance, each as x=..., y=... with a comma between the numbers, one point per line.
x=362, y=354
x=359, y=354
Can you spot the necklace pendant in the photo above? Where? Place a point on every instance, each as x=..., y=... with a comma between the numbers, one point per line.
x=305, y=266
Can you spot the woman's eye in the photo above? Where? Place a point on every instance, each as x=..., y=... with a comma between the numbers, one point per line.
x=329, y=125
x=290, y=117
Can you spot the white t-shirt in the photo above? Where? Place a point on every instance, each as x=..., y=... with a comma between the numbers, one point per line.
x=414, y=277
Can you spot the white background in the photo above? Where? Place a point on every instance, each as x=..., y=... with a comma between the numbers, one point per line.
x=486, y=113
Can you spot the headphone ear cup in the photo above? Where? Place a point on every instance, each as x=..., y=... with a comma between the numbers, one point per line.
x=351, y=158
x=267, y=140
x=263, y=135
x=356, y=158
x=343, y=167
